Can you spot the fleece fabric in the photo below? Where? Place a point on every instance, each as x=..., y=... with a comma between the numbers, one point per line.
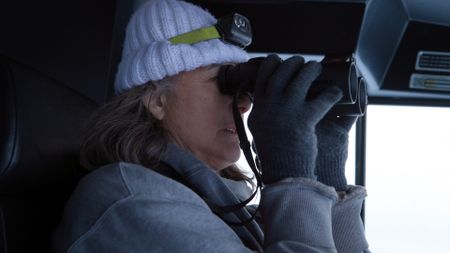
x=125, y=207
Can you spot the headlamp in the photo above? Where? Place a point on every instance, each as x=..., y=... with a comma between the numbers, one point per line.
x=234, y=29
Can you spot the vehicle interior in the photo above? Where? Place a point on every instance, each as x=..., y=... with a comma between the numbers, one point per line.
x=58, y=62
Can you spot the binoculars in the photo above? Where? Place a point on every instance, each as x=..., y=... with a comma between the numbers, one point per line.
x=241, y=79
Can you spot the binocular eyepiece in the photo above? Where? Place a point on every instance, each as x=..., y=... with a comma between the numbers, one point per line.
x=241, y=79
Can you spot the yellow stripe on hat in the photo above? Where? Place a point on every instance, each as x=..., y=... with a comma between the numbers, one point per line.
x=202, y=34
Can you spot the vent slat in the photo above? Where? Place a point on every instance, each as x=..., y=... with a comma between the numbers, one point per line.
x=433, y=61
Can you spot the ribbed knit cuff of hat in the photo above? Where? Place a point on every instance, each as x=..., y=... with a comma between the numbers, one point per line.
x=148, y=55
x=331, y=159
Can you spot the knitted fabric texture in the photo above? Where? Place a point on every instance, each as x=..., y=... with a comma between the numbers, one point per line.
x=282, y=121
x=149, y=56
x=332, y=135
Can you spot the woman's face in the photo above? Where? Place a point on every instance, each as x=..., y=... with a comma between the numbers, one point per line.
x=200, y=118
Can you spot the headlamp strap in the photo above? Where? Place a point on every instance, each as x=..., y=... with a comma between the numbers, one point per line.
x=234, y=29
x=202, y=34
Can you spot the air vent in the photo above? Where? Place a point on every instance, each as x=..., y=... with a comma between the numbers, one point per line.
x=430, y=82
x=433, y=61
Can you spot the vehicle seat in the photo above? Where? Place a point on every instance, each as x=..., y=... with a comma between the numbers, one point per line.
x=41, y=121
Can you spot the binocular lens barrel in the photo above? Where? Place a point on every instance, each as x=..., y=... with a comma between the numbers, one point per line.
x=342, y=75
x=241, y=78
x=356, y=109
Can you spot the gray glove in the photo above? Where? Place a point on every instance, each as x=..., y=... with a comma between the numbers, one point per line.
x=332, y=137
x=283, y=122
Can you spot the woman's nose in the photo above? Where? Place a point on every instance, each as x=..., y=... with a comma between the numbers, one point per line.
x=244, y=103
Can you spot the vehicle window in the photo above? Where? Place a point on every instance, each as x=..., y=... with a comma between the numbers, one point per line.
x=408, y=179
x=350, y=172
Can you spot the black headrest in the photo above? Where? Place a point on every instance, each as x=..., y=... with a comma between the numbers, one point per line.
x=40, y=130
x=41, y=122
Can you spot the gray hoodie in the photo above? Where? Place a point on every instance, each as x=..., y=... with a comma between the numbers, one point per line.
x=125, y=207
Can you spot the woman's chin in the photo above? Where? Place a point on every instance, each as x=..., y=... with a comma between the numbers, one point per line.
x=229, y=158
x=234, y=155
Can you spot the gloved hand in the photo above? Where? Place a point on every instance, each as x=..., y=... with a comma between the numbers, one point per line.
x=332, y=136
x=283, y=122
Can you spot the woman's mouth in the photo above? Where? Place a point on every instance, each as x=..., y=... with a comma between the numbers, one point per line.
x=231, y=130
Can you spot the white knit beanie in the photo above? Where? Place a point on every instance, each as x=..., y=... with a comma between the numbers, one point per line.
x=149, y=56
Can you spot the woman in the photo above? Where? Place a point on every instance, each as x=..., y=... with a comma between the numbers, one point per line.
x=161, y=149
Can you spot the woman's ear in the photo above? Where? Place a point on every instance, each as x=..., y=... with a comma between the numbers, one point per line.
x=156, y=103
